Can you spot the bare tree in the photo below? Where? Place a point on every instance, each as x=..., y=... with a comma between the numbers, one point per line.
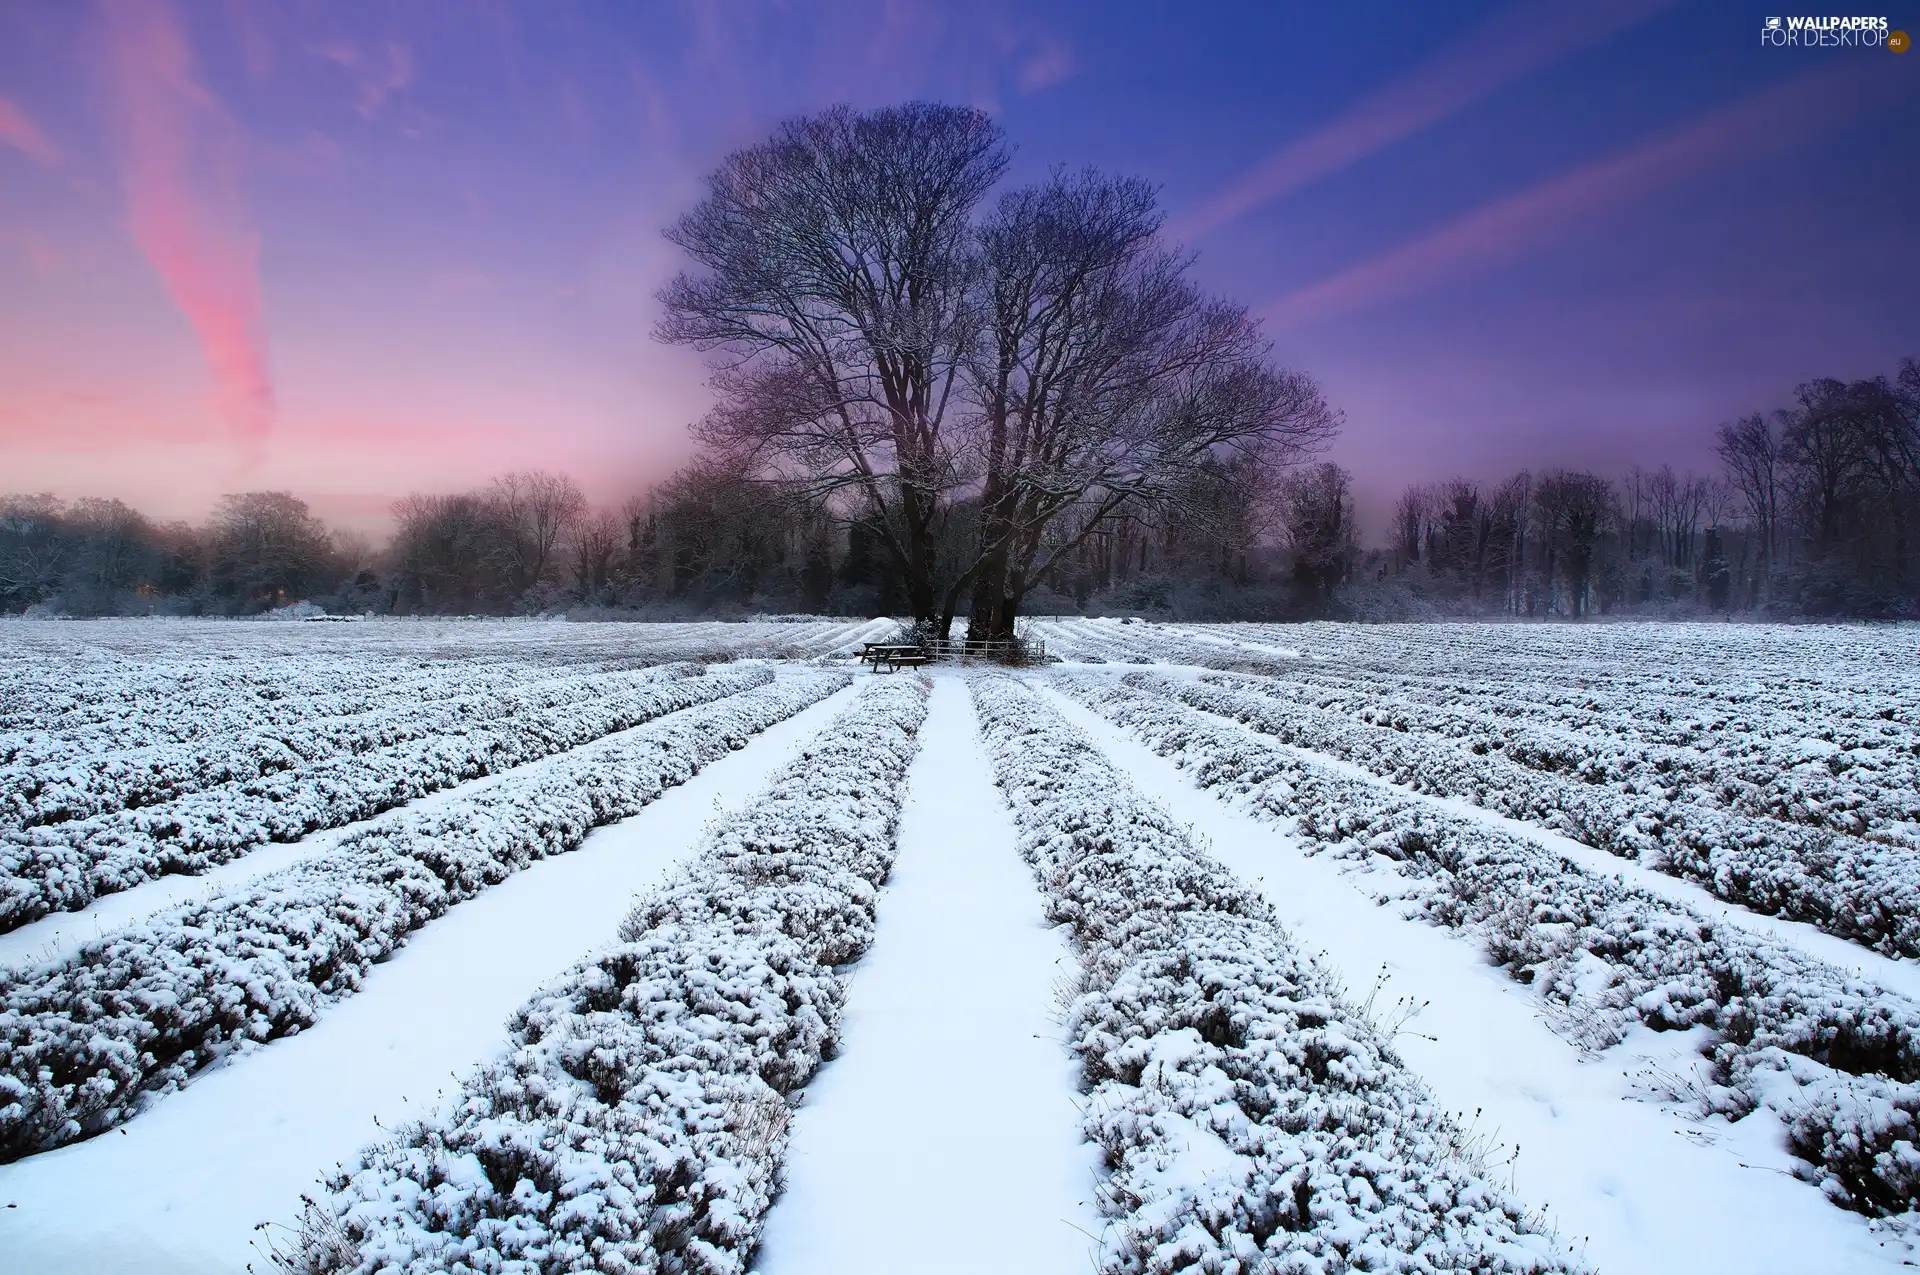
x=1322, y=535
x=532, y=514
x=438, y=558
x=1575, y=510
x=1749, y=449
x=1508, y=543
x=836, y=287
x=1412, y=514
x=268, y=549
x=31, y=548
x=1105, y=379
x=594, y=549
x=111, y=551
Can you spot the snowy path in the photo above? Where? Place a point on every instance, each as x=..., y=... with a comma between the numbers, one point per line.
x=181, y=1188
x=946, y=1138
x=1650, y=1191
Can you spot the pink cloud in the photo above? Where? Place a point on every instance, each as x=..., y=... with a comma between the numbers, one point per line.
x=1773, y=119
x=61, y=421
x=1050, y=65
x=21, y=133
x=1510, y=45
x=177, y=155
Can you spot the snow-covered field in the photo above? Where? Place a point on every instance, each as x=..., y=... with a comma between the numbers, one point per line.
x=523, y=946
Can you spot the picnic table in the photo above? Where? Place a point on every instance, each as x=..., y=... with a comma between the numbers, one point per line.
x=895, y=655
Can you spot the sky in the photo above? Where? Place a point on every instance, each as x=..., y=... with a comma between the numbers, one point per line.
x=354, y=250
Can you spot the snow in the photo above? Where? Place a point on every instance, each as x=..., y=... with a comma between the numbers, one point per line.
x=639, y=1113
x=952, y=1111
x=1198, y=1012
x=1834, y=1056
x=1858, y=889
x=1610, y=1165
x=1900, y=974
x=67, y=864
x=1362, y=984
x=183, y=1187
x=60, y=934
x=87, y=1042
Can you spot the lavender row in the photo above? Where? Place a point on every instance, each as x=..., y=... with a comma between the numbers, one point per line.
x=1835, y=1057
x=1203, y=1032
x=638, y=1119
x=87, y=1041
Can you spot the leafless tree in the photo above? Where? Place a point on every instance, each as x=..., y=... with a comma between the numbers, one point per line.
x=594, y=550
x=1575, y=511
x=532, y=513
x=1105, y=379
x=31, y=548
x=1322, y=535
x=1749, y=450
x=1509, y=536
x=1412, y=517
x=836, y=289
x=268, y=549
x=438, y=558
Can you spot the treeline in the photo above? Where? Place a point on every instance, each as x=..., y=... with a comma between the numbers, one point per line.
x=710, y=540
x=99, y=557
x=1816, y=512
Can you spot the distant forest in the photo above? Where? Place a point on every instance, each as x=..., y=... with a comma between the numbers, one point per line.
x=1814, y=513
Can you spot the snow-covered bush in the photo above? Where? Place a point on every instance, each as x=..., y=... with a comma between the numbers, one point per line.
x=53, y=783
x=84, y=1042
x=76, y=692
x=1850, y=887
x=1250, y=1119
x=1836, y=1056
x=1859, y=778
x=68, y=865
x=637, y=1121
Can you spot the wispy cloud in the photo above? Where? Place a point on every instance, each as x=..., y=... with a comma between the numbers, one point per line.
x=1773, y=119
x=1512, y=44
x=378, y=74
x=1052, y=63
x=177, y=153
x=21, y=133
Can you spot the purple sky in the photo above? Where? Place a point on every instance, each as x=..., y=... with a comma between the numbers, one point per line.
x=361, y=249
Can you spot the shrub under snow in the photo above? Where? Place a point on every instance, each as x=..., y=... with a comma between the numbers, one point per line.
x=1859, y=776
x=1251, y=1120
x=637, y=1121
x=86, y=1041
x=1853, y=888
x=1836, y=1056
x=50, y=780
x=66, y=866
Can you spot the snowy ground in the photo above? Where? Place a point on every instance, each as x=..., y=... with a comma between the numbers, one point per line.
x=195, y=1177
x=947, y=1128
x=953, y=1089
x=1629, y=1180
